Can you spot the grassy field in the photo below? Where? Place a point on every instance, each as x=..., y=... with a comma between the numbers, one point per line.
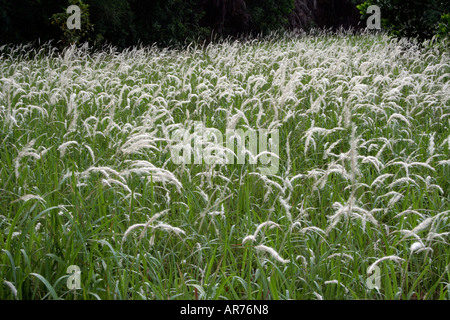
x=361, y=189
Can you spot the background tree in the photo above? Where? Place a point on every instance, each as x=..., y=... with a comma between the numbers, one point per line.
x=70, y=36
x=411, y=18
x=128, y=22
x=22, y=21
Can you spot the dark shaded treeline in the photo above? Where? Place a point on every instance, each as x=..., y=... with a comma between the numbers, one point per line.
x=128, y=22
x=421, y=19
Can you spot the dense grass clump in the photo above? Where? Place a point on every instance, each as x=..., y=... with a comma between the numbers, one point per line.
x=87, y=178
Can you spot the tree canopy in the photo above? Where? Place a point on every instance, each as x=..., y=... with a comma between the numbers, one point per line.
x=129, y=22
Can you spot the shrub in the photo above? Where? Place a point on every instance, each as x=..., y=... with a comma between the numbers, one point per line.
x=411, y=18
x=70, y=36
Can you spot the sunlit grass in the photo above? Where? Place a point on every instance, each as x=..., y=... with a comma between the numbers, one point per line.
x=87, y=177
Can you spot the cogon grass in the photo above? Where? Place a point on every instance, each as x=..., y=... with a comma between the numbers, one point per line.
x=363, y=175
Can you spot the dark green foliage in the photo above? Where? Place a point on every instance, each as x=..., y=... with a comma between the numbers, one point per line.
x=444, y=26
x=128, y=22
x=74, y=35
x=168, y=21
x=411, y=18
x=113, y=21
x=22, y=21
x=269, y=15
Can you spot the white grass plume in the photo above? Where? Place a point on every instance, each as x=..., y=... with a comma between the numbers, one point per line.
x=27, y=151
x=62, y=148
x=416, y=246
x=168, y=227
x=423, y=225
x=307, y=229
x=272, y=252
x=337, y=283
x=11, y=286
x=154, y=173
x=252, y=237
x=131, y=228
x=391, y=258
x=110, y=181
x=163, y=226
x=29, y=197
